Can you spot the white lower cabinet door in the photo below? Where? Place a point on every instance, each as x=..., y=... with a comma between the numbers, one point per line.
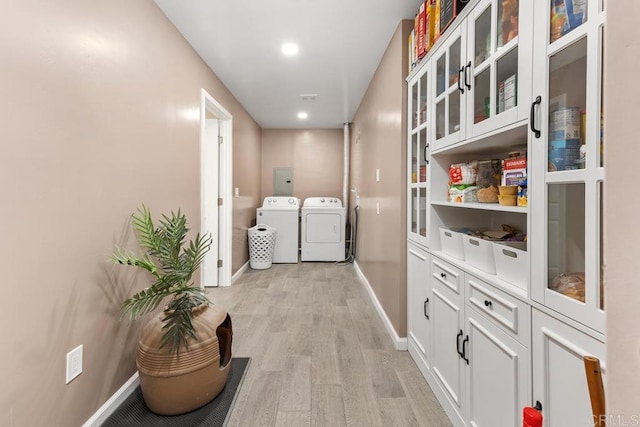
x=418, y=304
x=447, y=364
x=559, y=380
x=498, y=383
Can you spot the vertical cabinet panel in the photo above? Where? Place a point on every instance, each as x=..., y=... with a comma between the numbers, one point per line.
x=498, y=384
x=419, y=304
x=446, y=361
x=559, y=380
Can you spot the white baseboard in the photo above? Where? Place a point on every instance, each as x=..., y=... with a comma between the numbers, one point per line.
x=399, y=342
x=239, y=272
x=114, y=401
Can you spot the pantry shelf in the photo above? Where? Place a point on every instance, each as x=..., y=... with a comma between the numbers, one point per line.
x=483, y=206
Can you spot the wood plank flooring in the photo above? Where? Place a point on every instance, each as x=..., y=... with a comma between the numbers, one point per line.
x=320, y=355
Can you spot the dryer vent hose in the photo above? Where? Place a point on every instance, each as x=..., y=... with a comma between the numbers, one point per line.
x=351, y=253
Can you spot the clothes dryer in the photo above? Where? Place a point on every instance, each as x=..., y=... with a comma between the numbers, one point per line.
x=282, y=213
x=323, y=229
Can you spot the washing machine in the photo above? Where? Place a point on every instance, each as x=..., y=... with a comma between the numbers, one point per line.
x=323, y=229
x=282, y=213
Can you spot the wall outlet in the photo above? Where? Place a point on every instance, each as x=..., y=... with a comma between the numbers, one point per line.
x=74, y=363
x=236, y=192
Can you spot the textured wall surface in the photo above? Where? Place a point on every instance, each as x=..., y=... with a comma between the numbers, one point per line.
x=378, y=141
x=316, y=157
x=99, y=112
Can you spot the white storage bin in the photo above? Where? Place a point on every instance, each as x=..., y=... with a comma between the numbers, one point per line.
x=479, y=253
x=451, y=243
x=512, y=262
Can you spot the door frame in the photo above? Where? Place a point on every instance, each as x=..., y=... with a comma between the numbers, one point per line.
x=225, y=180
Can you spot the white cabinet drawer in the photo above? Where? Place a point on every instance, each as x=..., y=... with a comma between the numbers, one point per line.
x=448, y=275
x=507, y=312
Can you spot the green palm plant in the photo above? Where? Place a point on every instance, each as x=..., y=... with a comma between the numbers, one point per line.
x=172, y=263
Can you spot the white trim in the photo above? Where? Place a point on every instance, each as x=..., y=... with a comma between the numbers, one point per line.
x=208, y=103
x=400, y=343
x=110, y=406
x=238, y=273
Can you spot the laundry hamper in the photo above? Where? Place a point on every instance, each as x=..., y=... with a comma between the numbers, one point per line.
x=262, y=242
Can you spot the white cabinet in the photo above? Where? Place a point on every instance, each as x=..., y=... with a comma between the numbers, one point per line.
x=498, y=374
x=478, y=356
x=482, y=72
x=419, y=306
x=418, y=157
x=559, y=381
x=447, y=315
x=491, y=344
x=567, y=162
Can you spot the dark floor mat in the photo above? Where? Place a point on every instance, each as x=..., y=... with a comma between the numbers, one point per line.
x=134, y=413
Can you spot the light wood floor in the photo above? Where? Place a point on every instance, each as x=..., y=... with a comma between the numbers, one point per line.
x=320, y=355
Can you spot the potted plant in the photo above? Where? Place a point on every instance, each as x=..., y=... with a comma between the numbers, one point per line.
x=184, y=352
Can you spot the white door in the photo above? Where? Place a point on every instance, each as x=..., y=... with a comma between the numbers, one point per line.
x=216, y=171
x=418, y=302
x=498, y=375
x=448, y=336
x=559, y=380
x=210, y=190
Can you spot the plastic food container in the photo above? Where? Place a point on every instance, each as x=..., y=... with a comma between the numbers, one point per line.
x=452, y=243
x=512, y=262
x=508, y=200
x=479, y=253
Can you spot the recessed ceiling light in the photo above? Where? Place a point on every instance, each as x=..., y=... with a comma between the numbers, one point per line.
x=302, y=115
x=290, y=49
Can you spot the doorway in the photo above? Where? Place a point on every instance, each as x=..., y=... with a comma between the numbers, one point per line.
x=216, y=167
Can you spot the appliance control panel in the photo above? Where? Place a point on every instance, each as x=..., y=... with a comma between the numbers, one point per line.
x=286, y=201
x=323, y=202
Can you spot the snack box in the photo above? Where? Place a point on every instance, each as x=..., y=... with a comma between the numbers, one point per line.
x=564, y=154
x=514, y=170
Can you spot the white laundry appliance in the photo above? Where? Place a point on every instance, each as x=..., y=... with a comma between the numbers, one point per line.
x=323, y=229
x=282, y=213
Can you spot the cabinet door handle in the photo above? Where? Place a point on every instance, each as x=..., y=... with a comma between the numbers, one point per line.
x=444, y=276
x=424, y=153
x=458, y=344
x=464, y=349
x=460, y=88
x=467, y=83
x=532, y=119
x=487, y=303
x=425, y=308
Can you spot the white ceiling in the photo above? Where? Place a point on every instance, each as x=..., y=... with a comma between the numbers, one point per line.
x=341, y=44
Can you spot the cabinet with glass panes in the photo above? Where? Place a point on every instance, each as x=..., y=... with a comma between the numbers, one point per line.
x=482, y=72
x=567, y=161
x=418, y=156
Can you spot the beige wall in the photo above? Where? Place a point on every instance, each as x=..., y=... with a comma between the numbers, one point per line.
x=99, y=112
x=378, y=141
x=622, y=233
x=316, y=157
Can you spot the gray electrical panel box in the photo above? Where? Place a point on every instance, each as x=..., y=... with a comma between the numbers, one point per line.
x=283, y=181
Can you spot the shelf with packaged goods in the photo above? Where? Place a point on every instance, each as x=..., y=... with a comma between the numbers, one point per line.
x=484, y=207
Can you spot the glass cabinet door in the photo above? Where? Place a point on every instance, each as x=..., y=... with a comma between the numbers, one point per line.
x=418, y=157
x=449, y=89
x=569, y=154
x=498, y=68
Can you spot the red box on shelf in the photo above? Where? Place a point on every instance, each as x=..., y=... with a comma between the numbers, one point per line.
x=420, y=30
x=449, y=10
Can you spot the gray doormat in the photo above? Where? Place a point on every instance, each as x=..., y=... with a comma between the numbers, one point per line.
x=134, y=413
